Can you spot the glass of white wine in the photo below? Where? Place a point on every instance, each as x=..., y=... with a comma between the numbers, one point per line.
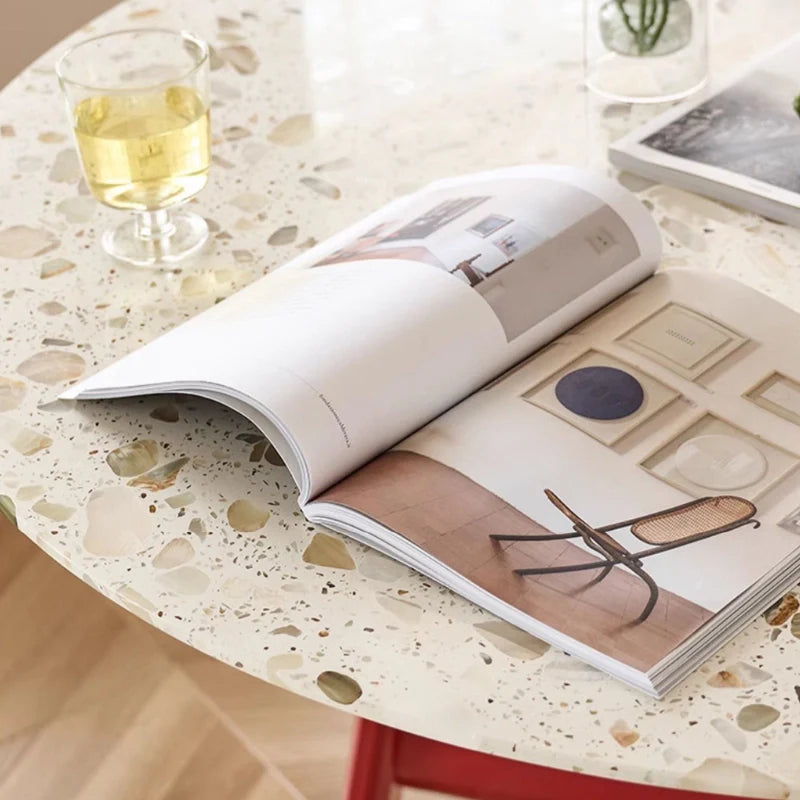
x=138, y=104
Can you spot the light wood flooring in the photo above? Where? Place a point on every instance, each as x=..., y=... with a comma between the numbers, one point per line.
x=95, y=705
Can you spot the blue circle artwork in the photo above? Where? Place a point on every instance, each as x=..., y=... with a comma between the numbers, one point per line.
x=600, y=393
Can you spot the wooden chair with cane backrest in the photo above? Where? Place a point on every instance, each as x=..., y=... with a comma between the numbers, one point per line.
x=663, y=530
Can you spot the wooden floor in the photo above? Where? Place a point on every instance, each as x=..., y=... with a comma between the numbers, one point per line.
x=451, y=516
x=95, y=705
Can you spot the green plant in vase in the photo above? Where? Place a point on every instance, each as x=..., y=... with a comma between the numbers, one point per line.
x=645, y=27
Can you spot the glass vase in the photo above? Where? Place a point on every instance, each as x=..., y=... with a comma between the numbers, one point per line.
x=645, y=51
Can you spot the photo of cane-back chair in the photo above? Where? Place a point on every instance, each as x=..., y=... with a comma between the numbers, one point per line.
x=662, y=530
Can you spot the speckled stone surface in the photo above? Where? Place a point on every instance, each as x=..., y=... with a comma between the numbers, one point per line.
x=179, y=511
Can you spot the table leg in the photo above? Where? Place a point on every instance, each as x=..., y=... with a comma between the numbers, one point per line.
x=384, y=759
x=372, y=763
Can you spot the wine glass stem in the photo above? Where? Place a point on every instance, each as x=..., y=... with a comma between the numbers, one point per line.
x=154, y=226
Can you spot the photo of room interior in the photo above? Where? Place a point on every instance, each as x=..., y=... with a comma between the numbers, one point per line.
x=453, y=518
x=503, y=245
x=623, y=587
x=694, y=478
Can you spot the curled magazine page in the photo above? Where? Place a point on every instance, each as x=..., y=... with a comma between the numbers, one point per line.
x=365, y=338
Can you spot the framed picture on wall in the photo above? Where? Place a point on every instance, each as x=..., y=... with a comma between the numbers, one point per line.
x=489, y=225
x=601, y=396
x=778, y=394
x=714, y=456
x=683, y=340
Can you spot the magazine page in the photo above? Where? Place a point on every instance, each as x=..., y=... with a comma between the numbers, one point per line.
x=684, y=395
x=738, y=141
x=350, y=348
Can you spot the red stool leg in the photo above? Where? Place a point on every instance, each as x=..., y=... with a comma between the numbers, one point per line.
x=384, y=759
x=372, y=763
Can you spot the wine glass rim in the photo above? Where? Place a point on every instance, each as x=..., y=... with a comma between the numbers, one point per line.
x=183, y=34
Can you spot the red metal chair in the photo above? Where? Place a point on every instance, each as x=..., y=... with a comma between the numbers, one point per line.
x=385, y=759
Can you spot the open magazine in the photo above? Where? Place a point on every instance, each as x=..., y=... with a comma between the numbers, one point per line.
x=483, y=381
x=738, y=141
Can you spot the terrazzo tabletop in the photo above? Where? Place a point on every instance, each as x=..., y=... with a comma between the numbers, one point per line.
x=178, y=509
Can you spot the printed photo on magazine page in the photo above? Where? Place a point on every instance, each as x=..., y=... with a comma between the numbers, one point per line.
x=622, y=486
x=501, y=242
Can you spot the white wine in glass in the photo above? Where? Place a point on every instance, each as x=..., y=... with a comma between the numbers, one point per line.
x=138, y=102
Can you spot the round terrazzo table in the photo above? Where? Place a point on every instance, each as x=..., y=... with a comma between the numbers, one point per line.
x=179, y=511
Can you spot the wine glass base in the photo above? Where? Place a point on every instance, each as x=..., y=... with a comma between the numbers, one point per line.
x=186, y=235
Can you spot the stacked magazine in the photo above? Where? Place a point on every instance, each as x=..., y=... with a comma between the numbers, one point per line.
x=738, y=141
x=485, y=381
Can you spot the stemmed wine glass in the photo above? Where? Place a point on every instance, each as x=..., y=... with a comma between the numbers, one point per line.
x=138, y=104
